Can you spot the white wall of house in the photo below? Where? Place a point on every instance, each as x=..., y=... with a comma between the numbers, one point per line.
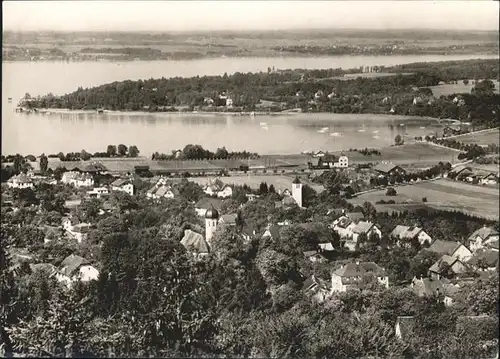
x=462, y=253
x=477, y=243
x=337, y=285
x=424, y=237
x=225, y=193
x=127, y=188
x=372, y=230
x=17, y=184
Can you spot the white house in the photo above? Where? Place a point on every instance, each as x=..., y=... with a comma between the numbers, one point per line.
x=226, y=192
x=481, y=237
x=455, y=266
x=123, y=185
x=344, y=226
x=404, y=234
x=97, y=192
x=357, y=275
x=432, y=286
x=75, y=268
x=365, y=227
x=77, y=179
x=20, y=181
x=195, y=243
x=162, y=191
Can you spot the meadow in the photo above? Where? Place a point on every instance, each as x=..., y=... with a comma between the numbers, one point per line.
x=441, y=194
x=460, y=87
x=480, y=138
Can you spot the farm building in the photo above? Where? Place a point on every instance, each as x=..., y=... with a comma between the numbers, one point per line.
x=388, y=169
x=489, y=179
x=482, y=237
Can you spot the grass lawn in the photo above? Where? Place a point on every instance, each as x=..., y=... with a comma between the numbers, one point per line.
x=450, y=89
x=481, y=138
x=412, y=153
x=443, y=194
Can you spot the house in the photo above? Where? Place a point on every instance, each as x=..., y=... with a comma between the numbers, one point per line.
x=453, y=249
x=431, y=287
x=484, y=260
x=454, y=266
x=123, y=185
x=162, y=191
x=251, y=196
x=317, y=288
x=417, y=100
x=205, y=204
x=407, y=233
x=319, y=154
x=344, y=225
x=489, y=179
x=463, y=173
x=195, y=243
x=326, y=247
x=318, y=94
x=98, y=192
x=77, y=179
x=365, y=227
x=357, y=276
x=481, y=237
x=388, y=169
x=20, y=181
x=75, y=268
x=80, y=231
x=405, y=326
x=208, y=101
x=226, y=192
x=228, y=219
x=95, y=168
x=248, y=232
x=314, y=256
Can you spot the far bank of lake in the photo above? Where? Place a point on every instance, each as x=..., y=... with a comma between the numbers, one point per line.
x=265, y=134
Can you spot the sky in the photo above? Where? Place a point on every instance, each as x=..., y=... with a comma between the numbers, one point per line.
x=248, y=15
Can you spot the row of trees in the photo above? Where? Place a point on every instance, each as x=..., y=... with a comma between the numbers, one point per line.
x=197, y=152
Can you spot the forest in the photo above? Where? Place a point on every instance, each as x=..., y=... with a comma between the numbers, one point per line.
x=309, y=90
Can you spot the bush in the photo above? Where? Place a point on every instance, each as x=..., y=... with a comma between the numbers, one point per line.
x=391, y=192
x=424, y=199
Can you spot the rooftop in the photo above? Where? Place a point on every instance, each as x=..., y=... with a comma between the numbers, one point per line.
x=444, y=247
x=360, y=269
x=71, y=264
x=483, y=233
x=195, y=242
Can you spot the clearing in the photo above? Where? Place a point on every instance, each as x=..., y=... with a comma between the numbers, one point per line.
x=450, y=89
x=481, y=138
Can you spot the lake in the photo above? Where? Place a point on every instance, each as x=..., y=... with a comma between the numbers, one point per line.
x=285, y=134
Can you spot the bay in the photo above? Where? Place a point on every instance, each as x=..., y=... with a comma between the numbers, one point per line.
x=284, y=134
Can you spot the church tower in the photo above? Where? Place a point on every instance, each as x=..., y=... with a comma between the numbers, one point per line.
x=297, y=191
x=211, y=219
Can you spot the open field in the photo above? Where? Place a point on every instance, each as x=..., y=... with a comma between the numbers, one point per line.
x=413, y=153
x=443, y=194
x=280, y=183
x=480, y=138
x=450, y=89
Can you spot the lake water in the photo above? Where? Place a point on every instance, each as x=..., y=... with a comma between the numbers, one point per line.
x=52, y=133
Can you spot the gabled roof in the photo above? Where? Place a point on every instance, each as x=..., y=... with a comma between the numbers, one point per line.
x=360, y=269
x=385, y=167
x=71, y=264
x=120, y=182
x=296, y=180
x=161, y=191
x=459, y=169
x=355, y=216
x=405, y=232
x=436, y=267
x=310, y=253
x=343, y=222
x=47, y=267
x=207, y=203
x=483, y=233
x=430, y=286
x=288, y=201
x=194, y=242
x=362, y=227
x=444, y=247
x=21, y=178
x=229, y=218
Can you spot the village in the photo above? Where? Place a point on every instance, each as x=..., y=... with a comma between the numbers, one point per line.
x=92, y=195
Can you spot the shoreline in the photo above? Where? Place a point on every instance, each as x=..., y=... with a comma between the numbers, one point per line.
x=294, y=112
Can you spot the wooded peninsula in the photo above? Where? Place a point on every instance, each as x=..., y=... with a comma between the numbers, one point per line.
x=401, y=90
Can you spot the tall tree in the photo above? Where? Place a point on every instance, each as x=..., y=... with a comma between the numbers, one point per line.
x=122, y=150
x=133, y=151
x=111, y=150
x=44, y=163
